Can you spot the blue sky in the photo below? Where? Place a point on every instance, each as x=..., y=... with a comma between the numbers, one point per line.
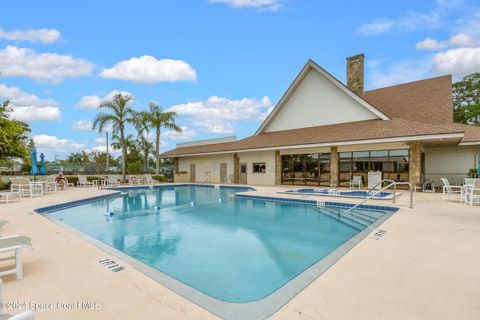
x=221, y=64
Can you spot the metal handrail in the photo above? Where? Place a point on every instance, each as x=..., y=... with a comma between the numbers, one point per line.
x=392, y=183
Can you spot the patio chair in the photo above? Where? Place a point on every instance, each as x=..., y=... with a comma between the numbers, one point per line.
x=83, y=182
x=9, y=196
x=24, y=186
x=112, y=181
x=469, y=182
x=25, y=315
x=15, y=244
x=356, y=181
x=149, y=179
x=472, y=194
x=134, y=180
x=450, y=192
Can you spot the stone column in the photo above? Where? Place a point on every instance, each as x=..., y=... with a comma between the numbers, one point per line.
x=236, y=168
x=278, y=168
x=334, y=167
x=415, y=163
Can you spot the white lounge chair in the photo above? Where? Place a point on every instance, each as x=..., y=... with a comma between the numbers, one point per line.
x=356, y=181
x=25, y=315
x=83, y=182
x=112, y=181
x=8, y=196
x=472, y=194
x=450, y=192
x=26, y=187
x=149, y=179
x=134, y=180
x=15, y=244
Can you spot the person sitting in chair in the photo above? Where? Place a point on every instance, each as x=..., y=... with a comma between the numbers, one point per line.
x=61, y=180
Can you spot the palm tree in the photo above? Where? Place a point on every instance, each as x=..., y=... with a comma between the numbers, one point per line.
x=142, y=124
x=120, y=114
x=158, y=119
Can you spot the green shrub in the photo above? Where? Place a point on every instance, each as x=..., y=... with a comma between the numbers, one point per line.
x=5, y=185
x=73, y=180
x=160, y=178
x=473, y=173
x=135, y=167
x=92, y=178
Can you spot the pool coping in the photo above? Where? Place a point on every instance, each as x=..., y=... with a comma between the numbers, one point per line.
x=259, y=309
x=295, y=191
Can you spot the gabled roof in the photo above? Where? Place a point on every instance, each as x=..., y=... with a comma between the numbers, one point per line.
x=311, y=65
x=428, y=100
x=368, y=131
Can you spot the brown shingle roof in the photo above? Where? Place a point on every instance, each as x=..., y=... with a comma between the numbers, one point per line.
x=472, y=133
x=427, y=100
x=352, y=131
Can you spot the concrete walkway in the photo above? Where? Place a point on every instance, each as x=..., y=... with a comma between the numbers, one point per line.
x=426, y=266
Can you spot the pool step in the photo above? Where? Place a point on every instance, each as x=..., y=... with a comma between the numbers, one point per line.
x=348, y=220
x=363, y=216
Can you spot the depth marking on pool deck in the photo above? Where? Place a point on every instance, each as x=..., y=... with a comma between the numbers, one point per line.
x=378, y=234
x=111, y=265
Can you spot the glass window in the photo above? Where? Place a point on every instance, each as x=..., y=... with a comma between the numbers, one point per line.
x=399, y=159
x=287, y=169
x=259, y=167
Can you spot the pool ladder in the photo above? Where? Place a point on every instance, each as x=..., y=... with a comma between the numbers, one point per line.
x=374, y=192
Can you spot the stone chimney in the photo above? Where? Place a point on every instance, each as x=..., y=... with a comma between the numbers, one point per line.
x=355, y=69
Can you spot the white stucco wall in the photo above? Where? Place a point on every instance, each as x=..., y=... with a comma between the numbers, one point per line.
x=317, y=101
x=208, y=163
x=450, y=159
x=267, y=178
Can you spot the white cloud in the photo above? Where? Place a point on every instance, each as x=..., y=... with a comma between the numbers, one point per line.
x=412, y=20
x=28, y=107
x=217, y=114
x=462, y=40
x=173, y=135
x=148, y=69
x=457, y=40
x=397, y=73
x=48, y=67
x=429, y=44
x=82, y=125
x=32, y=35
x=93, y=101
x=377, y=27
x=101, y=140
x=259, y=5
x=459, y=62
x=44, y=141
x=30, y=114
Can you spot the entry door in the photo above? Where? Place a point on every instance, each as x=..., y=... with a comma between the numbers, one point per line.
x=192, y=172
x=243, y=173
x=223, y=172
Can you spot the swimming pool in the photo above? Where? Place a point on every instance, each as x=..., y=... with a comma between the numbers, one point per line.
x=383, y=195
x=236, y=251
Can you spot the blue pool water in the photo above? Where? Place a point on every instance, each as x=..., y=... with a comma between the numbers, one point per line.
x=347, y=193
x=237, y=250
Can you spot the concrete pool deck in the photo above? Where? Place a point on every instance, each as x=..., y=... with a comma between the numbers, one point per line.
x=425, y=266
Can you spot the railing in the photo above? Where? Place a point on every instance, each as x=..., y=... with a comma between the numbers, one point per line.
x=376, y=192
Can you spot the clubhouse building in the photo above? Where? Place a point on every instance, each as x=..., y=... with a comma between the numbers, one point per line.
x=323, y=132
